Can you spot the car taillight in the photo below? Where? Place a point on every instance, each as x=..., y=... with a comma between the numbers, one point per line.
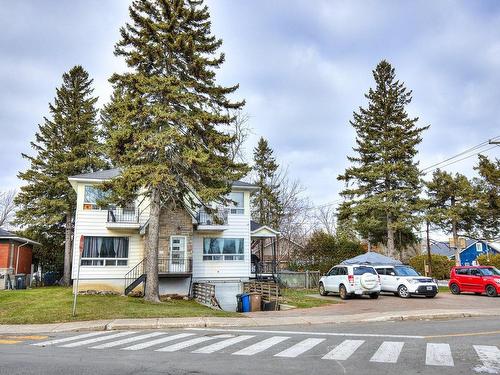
x=351, y=278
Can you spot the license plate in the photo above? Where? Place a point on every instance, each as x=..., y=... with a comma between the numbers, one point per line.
x=429, y=288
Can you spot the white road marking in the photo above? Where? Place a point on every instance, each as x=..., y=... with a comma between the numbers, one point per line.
x=299, y=348
x=222, y=344
x=162, y=340
x=344, y=350
x=261, y=346
x=438, y=355
x=102, y=338
x=306, y=333
x=195, y=341
x=388, y=352
x=128, y=340
x=490, y=356
x=72, y=338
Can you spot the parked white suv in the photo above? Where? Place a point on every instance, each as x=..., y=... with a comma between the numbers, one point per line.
x=404, y=281
x=347, y=280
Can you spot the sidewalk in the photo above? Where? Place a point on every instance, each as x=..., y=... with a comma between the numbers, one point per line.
x=255, y=320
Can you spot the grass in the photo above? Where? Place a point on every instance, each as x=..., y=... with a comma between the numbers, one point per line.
x=300, y=299
x=54, y=305
x=444, y=289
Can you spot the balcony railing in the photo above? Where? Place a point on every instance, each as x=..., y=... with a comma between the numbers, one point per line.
x=175, y=265
x=268, y=267
x=127, y=215
x=217, y=216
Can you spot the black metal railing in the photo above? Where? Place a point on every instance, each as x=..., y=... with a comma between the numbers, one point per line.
x=268, y=267
x=134, y=274
x=216, y=216
x=123, y=215
x=175, y=265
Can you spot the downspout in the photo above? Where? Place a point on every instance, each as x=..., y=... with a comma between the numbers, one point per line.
x=17, y=257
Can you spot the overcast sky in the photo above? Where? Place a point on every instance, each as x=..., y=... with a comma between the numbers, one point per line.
x=303, y=67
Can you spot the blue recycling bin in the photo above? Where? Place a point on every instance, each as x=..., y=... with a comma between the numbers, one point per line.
x=245, y=302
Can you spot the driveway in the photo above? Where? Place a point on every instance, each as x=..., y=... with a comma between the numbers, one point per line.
x=388, y=303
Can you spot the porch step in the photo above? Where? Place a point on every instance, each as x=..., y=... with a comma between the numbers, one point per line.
x=135, y=283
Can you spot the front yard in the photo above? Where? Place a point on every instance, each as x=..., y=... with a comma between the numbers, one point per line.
x=301, y=298
x=54, y=305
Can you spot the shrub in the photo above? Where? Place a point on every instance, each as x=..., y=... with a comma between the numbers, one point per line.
x=441, y=265
x=489, y=260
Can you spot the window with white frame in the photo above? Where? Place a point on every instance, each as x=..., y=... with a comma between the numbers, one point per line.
x=237, y=206
x=105, y=251
x=479, y=247
x=223, y=249
x=92, y=196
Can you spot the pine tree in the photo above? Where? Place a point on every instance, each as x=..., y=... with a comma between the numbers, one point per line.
x=451, y=204
x=383, y=184
x=267, y=208
x=164, y=123
x=66, y=144
x=488, y=193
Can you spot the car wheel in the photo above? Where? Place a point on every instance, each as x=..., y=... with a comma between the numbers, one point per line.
x=322, y=290
x=396, y=294
x=403, y=291
x=374, y=295
x=491, y=291
x=343, y=292
x=455, y=289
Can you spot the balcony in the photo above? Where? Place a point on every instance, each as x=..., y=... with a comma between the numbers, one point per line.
x=214, y=221
x=175, y=267
x=123, y=218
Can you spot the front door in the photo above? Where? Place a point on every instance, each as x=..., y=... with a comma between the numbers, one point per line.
x=177, y=260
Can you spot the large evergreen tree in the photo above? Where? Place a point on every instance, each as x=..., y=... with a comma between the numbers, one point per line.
x=488, y=189
x=164, y=122
x=66, y=144
x=452, y=206
x=384, y=177
x=267, y=208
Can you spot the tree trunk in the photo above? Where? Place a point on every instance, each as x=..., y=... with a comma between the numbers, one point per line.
x=455, y=240
x=390, y=235
x=68, y=249
x=429, y=257
x=151, y=292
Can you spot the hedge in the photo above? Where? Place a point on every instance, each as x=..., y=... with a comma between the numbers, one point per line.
x=441, y=265
x=489, y=260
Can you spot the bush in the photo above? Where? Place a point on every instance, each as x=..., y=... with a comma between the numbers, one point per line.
x=441, y=265
x=489, y=260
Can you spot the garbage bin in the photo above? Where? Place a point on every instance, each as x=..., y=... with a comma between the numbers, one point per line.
x=245, y=302
x=20, y=281
x=239, y=303
x=255, y=300
x=269, y=305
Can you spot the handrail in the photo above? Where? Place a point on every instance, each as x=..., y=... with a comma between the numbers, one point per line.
x=123, y=215
x=134, y=273
x=218, y=216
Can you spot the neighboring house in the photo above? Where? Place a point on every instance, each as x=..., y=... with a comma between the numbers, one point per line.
x=15, y=256
x=439, y=248
x=474, y=249
x=194, y=246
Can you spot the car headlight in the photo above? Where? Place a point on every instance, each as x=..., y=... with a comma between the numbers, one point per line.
x=412, y=281
x=497, y=281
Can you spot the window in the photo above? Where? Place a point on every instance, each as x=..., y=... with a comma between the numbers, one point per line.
x=342, y=271
x=405, y=271
x=461, y=271
x=333, y=271
x=237, y=206
x=223, y=249
x=362, y=270
x=92, y=196
x=490, y=271
x=479, y=247
x=475, y=272
x=105, y=251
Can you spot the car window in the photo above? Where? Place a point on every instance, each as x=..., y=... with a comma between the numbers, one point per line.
x=390, y=271
x=333, y=271
x=461, y=271
x=490, y=271
x=380, y=271
x=362, y=269
x=475, y=272
x=342, y=271
x=405, y=271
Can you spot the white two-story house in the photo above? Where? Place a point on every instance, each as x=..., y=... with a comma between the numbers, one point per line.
x=194, y=246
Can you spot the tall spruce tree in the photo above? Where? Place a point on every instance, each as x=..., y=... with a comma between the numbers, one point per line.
x=267, y=208
x=66, y=144
x=163, y=124
x=384, y=177
x=452, y=205
x=487, y=186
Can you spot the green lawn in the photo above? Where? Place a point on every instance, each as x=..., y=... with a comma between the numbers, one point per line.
x=300, y=299
x=444, y=289
x=54, y=305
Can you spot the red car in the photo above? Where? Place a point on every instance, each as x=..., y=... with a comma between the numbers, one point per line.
x=475, y=279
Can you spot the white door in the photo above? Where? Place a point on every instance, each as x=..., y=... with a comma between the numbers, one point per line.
x=390, y=281
x=330, y=279
x=177, y=261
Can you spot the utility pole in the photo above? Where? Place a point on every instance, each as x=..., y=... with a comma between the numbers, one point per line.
x=429, y=257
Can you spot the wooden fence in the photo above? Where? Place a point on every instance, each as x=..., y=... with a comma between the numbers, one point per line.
x=269, y=291
x=204, y=293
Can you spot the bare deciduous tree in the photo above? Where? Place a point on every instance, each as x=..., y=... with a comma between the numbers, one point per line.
x=7, y=207
x=241, y=130
x=326, y=218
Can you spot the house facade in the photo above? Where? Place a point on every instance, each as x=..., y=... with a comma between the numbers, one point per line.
x=473, y=249
x=194, y=245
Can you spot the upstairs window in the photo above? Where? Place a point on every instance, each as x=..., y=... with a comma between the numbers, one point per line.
x=237, y=206
x=92, y=196
x=105, y=251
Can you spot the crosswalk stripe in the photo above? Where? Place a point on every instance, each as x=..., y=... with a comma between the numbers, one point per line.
x=261, y=346
x=97, y=339
x=388, y=352
x=299, y=348
x=71, y=338
x=147, y=344
x=344, y=350
x=438, y=355
x=222, y=344
x=128, y=340
x=192, y=342
x=490, y=356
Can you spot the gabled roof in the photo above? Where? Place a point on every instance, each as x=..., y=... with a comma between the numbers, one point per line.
x=255, y=228
x=12, y=236
x=442, y=248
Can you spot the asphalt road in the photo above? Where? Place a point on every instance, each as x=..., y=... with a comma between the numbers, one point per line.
x=466, y=346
